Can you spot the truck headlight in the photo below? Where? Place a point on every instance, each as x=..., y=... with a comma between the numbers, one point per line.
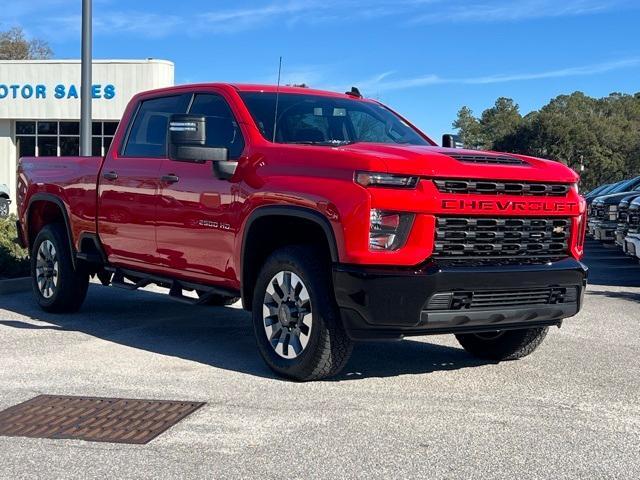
x=389, y=230
x=370, y=179
x=613, y=212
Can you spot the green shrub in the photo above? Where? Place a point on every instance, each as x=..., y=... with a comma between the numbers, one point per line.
x=14, y=260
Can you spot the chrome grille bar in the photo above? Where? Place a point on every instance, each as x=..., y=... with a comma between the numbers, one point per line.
x=489, y=187
x=512, y=238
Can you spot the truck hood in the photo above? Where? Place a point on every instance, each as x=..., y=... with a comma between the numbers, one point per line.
x=613, y=199
x=629, y=198
x=438, y=162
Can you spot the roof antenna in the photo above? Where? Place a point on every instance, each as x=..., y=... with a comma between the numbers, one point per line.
x=275, y=120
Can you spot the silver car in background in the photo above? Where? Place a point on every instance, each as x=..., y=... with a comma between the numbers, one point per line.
x=5, y=201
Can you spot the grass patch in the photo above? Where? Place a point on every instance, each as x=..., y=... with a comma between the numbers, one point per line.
x=14, y=260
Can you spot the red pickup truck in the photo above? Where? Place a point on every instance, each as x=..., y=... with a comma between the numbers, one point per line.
x=332, y=217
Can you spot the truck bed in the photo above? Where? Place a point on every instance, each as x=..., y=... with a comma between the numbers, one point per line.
x=70, y=180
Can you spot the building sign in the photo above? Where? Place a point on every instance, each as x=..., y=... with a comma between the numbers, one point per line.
x=59, y=92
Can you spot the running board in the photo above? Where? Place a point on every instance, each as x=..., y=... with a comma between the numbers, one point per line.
x=133, y=280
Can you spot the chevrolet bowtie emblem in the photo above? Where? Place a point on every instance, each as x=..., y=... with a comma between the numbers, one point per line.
x=558, y=230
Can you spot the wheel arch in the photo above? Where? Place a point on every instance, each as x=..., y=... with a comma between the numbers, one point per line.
x=255, y=247
x=45, y=209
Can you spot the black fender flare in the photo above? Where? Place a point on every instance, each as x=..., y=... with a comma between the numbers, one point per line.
x=48, y=197
x=287, y=211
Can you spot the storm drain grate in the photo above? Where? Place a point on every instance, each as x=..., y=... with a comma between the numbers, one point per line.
x=116, y=420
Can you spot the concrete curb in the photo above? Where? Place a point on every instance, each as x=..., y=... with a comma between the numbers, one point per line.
x=15, y=285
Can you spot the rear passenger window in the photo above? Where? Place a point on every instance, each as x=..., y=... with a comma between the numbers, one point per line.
x=222, y=128
x=148, y=135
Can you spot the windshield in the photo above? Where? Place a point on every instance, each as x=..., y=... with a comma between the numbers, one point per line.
x=622, y=187
x=601, y=188
x=321, y=120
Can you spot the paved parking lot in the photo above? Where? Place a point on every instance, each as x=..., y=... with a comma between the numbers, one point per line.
x=421, y=408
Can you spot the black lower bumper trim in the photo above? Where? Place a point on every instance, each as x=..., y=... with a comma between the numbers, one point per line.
x=378, y=303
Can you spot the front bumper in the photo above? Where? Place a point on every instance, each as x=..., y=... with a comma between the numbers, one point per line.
x=383, y=303
x=605, y=231
x=632, y=245
x=620, y=235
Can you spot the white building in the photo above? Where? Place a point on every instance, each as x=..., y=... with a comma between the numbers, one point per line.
x=40, y=105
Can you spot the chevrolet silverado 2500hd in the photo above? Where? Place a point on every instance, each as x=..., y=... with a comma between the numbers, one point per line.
x=330, y=216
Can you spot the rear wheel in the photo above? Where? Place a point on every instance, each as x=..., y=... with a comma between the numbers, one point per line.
x=503, y=345
x=58, y=286
x=295, y=317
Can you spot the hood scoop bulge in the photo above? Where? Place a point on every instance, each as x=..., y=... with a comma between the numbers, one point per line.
x=489, y=159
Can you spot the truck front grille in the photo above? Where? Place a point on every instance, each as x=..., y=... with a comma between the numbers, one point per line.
x=623, y=214
x=525, y=239
x=633, y=220
x=490, y=187
x=599, y=212
x=491, y=299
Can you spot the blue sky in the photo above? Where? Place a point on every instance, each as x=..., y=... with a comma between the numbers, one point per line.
x=424, y=58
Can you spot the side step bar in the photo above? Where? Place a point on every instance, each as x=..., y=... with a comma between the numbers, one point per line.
x=133, y=280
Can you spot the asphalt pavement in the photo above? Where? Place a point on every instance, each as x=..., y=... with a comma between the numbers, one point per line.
x=420, y=408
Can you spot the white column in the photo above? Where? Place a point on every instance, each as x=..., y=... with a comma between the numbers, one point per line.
x=8, y=159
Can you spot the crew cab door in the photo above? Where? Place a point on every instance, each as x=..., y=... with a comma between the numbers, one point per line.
x=129, y=184
x=197, y=214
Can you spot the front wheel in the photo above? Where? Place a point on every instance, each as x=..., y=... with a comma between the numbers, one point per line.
x=503, y=345
x=57, y=285
x=295, y=317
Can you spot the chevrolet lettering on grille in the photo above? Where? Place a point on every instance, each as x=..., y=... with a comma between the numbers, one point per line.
x=510, y=206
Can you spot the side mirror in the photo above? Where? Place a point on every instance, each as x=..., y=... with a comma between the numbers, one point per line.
x=187, y=140
x=452, y=141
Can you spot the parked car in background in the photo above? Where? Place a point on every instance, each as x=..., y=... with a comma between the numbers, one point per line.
x=632, y=240
x=603, y=221
x=598, y=191
x=601, y=190
x=5, y=201
x=609, y=188
x=623, y=218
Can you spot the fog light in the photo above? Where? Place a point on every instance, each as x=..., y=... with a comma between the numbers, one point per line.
x=389, y=230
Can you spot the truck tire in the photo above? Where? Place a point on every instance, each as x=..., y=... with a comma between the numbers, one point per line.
x=217, y=300
x=4, y=208
x=295, y=317
x=504, y=345
x=57, y=285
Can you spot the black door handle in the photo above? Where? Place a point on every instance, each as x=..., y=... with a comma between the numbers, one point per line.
x=110, y=175
x=170, y=178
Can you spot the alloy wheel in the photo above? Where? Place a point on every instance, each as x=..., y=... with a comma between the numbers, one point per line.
x=287, y=315
x=47, y=269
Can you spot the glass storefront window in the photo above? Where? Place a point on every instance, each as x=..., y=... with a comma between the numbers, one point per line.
x=110, y=128
x=69, y=128
x=70, y=146
x=51, y=137
x=47, y=146
x=96, y=146
x=25, y=128
x=47, y=128
x=107, y=144
x=26, y=146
